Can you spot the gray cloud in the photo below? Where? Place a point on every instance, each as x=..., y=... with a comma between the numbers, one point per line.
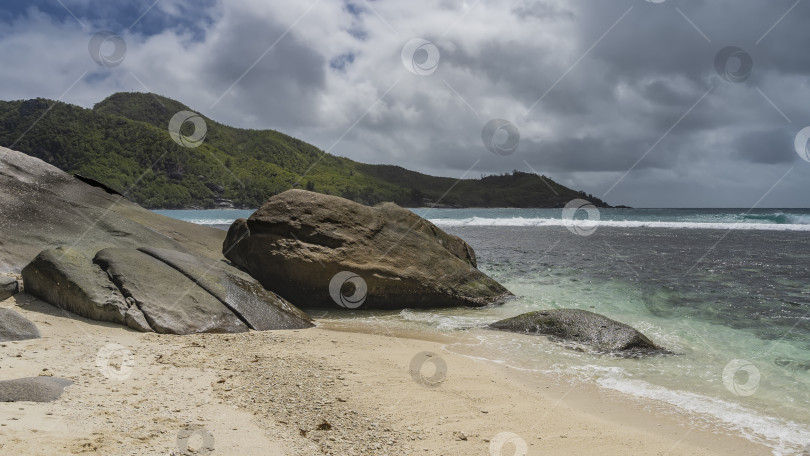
x=605, y=94
x=283, y=87
x=768, y=147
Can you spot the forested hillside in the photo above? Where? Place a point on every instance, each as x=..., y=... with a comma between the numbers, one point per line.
x=124, y=143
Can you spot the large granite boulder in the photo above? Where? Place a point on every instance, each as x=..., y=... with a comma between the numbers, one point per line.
x=299, y=241
x=261, y=309
x=14, y=326
x=42, y=207
x=8, y=287
x=160, y=290
x=66, y=278
x=171, y=302
x=580, y=326
x=33, y=389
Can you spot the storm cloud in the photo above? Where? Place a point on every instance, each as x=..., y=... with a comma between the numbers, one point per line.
x=645, y=103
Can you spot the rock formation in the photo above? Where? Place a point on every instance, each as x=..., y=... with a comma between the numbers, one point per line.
x=579, y=326
x=8, y=287
x=299, y=241
x=14, y=326
x=43, y=207
x=77, y=246
x=158, y=290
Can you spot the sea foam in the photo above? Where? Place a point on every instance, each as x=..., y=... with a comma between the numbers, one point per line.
x=782, y=436
x=542, y=222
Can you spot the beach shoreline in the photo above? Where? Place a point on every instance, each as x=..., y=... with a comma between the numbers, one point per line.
x=325, y=390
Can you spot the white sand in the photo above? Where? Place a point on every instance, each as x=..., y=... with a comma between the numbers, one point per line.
x=267, y=394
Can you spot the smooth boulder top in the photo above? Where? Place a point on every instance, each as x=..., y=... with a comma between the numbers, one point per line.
x=580, y=326
x=14, y=326
x=33, y=389
x=298, y=241
x=42, y=207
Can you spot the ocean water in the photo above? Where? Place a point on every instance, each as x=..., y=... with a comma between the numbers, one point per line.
x=219, y=218
x=728, y=291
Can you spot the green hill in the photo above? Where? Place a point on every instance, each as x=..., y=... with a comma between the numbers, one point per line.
x=124, y=143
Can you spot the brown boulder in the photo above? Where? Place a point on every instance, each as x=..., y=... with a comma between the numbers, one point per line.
x=299, y=241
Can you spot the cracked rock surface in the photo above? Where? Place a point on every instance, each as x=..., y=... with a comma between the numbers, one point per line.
x=164, y=291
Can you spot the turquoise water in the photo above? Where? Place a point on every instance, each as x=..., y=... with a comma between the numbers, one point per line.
x=727, y=290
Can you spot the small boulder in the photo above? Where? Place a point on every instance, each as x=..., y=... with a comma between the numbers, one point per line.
x=580, y=326
x=14, y=326
x=299, y=241
x=8, y=287
x=236, y=233
x=33, y=389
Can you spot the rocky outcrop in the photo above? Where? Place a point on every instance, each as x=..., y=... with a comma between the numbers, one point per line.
x=66, y=278
x=580, y=326
x=33, y=389
x=42, y=207
x=170, y=301
x=8, y=287
x=14, y=326
x=158, y=290
x=260, y=309
x=298, y=241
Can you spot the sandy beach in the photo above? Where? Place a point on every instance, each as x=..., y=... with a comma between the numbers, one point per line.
x=307, y=392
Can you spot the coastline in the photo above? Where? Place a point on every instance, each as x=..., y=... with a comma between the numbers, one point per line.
x=329, y=389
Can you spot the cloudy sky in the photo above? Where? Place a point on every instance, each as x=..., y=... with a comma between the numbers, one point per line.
x=661, y=103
